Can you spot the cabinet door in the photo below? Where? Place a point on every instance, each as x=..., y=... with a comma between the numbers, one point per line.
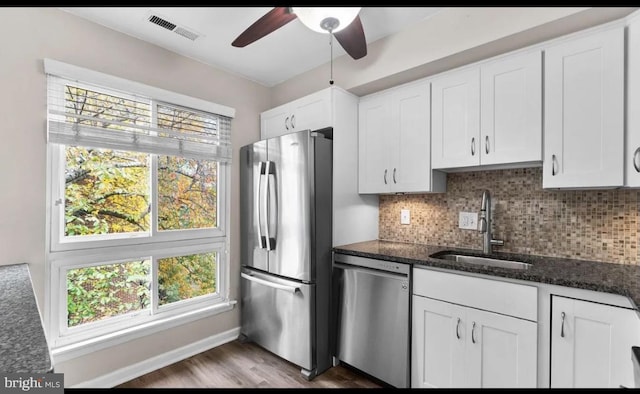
x=312, y=112
x=456, y=119
x=410, y=139
x=511, y=109
x=632, y=143
x=438, y=344
x=275, y=122
x=374, y=115
x=501, y=350
x=584, y=112
x=591, y=344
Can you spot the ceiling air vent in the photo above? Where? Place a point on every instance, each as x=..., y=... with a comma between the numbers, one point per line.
x=161, y=22
x=184, y=32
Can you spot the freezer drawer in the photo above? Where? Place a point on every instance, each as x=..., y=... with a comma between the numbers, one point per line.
x=279, y=315
x=373, y=322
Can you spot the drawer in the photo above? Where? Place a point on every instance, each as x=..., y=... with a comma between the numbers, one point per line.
x=491, y=295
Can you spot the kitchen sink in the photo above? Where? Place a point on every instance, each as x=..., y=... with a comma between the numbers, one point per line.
x=487, y=261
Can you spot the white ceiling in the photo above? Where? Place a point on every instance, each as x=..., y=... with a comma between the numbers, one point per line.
x=283, y=54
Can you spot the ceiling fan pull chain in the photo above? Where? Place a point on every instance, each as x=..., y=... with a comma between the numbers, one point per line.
x=331, y=54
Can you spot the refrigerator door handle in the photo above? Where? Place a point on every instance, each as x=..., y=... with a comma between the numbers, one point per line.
x=261, y=239
x=269, y=170
x=290, y=289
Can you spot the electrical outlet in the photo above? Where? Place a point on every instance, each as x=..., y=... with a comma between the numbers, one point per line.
x=468, y=220
x=405, y=216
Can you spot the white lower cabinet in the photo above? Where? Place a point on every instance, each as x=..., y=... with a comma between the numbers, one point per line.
x=456, y=346
x=591, y=344
x=472, y=332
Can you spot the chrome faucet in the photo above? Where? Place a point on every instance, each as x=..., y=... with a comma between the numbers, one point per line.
x=485, y=224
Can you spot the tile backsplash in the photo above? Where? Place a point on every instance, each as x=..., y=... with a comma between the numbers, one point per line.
x=600, y=225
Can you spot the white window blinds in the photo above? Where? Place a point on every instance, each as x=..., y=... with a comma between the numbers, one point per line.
x=85, y=114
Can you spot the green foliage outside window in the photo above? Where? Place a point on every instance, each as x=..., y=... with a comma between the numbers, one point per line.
x=95, y=293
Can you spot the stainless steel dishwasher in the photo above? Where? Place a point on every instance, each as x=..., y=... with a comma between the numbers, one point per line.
x=372, y=312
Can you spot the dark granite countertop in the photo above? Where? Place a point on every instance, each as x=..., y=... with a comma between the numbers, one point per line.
x=23, y=345
x=613, y=278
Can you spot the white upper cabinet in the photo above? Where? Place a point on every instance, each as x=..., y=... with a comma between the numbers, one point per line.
x=411, y=147
x=456, y=119
x=374, y=124
x=395, y=142
x=490, y=114
x=632, y=157
x=584, y=111
x=310, y=112
x=355, y=216
x=511, y=109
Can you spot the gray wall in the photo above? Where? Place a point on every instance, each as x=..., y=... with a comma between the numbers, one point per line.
x=27, y=35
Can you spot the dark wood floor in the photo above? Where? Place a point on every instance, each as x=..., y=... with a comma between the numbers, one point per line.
x=246, y=365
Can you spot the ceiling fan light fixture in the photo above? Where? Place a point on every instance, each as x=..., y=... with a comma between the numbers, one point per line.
x=326, y=19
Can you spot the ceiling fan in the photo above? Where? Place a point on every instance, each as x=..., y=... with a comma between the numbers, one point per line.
x=341, y=22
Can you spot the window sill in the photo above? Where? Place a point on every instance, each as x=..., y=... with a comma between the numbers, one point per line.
x=68, y=352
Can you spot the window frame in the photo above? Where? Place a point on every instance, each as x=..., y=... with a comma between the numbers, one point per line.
x=60, y=263
x=59, y=242
x=71, y=253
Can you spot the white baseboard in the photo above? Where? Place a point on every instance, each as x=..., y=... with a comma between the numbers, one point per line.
x=133, y=371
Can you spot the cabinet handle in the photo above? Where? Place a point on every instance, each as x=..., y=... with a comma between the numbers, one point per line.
x=286, y=123
x=636, y=160
x=394, y=176
x=554, y=171
x=457, y=331
x=473, y=146
x=486, y=144
x=562, y=327
x=473, y=332
x=385, y=176
x=293, y=118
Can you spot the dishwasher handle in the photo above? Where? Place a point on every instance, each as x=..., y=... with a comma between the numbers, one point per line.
x=385, y=274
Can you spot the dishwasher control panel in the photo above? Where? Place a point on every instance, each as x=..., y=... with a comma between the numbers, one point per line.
x=389, y=266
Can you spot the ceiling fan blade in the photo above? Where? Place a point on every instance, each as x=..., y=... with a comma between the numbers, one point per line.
x=271, y=21
x=352, y=39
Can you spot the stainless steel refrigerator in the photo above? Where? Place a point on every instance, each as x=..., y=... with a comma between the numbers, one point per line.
x=286, y=198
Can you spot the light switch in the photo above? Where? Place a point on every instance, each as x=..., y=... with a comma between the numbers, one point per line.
x=405, y=217
x=468, y=220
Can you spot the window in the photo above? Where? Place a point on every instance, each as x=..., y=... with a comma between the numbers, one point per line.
x=137, y=205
